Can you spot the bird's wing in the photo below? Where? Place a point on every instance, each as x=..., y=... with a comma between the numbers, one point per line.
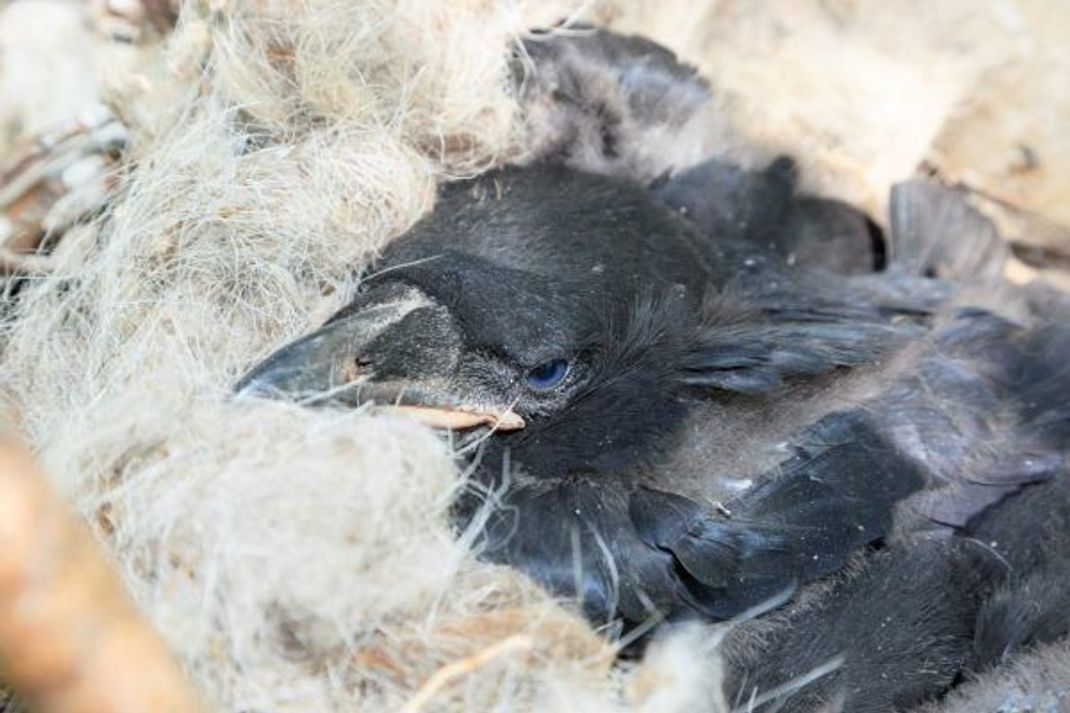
x=802, y=521
x=752, y=343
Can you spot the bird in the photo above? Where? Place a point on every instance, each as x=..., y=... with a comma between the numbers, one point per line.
x=634, y=371
x=668, y=417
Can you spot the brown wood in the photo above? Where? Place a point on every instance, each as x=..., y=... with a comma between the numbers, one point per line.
x=71, y=640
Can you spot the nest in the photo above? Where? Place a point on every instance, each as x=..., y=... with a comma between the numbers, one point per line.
x=303, y=560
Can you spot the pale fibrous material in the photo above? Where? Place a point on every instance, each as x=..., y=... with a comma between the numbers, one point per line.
x=293, y=559
x=303, y=560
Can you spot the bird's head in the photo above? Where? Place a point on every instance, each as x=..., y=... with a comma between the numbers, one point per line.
x=547, y=315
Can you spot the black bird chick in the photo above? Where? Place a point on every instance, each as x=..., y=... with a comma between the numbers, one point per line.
x=675, y=418
x=680, y=424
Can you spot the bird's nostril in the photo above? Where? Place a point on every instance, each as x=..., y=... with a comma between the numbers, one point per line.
x=355, y=369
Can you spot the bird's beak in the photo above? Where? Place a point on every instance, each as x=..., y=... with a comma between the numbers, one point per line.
x=394, y=348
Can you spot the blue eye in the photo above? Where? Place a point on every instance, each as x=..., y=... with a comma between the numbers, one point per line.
x=548, y=375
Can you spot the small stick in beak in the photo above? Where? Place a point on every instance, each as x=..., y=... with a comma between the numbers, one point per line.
x=457, y=419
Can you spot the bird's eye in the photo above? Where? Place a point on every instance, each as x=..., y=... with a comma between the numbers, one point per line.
x=548, y=375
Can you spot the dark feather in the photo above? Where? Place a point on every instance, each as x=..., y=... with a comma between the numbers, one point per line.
x=802, y=521
x=752, y=348
x=900, y=630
